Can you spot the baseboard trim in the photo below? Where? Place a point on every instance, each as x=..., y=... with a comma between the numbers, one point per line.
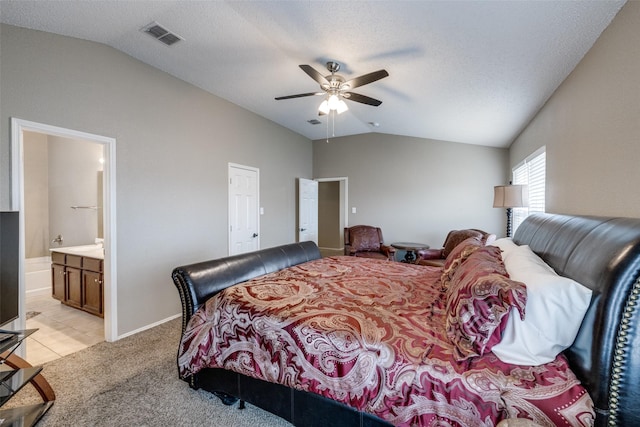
x=30, y=291
x=152, y=325
x=330, y=249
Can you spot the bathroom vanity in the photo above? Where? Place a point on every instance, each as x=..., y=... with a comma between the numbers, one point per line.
x=77, y=277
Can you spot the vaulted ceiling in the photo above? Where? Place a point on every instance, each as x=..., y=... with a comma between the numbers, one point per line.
x=474, y=72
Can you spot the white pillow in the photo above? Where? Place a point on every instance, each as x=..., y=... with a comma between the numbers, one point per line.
x=555, y=308
x=506, y=245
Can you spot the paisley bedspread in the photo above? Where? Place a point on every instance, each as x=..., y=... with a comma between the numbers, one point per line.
x=371, y=334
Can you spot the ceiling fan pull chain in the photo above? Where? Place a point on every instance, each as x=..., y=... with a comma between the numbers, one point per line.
x=333, y=123
x=327, y=129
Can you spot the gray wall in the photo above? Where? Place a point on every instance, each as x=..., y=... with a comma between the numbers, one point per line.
x=174, y=142
x=591, y=127
x=416, y=189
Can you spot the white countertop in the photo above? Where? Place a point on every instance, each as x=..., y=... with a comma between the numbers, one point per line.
x=91, y=251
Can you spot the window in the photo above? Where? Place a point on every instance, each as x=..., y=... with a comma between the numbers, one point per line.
x=532, y=172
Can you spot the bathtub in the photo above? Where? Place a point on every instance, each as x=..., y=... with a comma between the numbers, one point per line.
x=37, y=274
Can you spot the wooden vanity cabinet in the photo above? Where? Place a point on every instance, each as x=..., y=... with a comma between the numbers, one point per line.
x=78, y=281
x=58, y=281
x=74, y=287
x=92, y=292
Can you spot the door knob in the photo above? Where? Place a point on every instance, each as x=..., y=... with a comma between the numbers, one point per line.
x=255, y=234
x=302, y=229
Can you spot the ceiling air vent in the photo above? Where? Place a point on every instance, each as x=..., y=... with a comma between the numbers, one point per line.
x=160, y=33
x=314, y=121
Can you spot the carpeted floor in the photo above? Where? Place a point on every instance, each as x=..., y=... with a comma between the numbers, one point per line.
x=134, y=382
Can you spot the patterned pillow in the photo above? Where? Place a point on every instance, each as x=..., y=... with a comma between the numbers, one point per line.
x=456, y=257
x=486, y=259
x=479, y=300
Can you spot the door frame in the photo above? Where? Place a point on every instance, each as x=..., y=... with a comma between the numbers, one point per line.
x=344, y=197
x=258, y=208
x=18, y=126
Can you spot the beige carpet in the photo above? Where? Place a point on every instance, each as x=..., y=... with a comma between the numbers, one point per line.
x=134, y=382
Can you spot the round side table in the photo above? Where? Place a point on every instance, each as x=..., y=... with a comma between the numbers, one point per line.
x=410, y=248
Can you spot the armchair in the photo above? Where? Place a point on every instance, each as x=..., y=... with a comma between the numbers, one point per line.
x=437, y=257
x=366, y=241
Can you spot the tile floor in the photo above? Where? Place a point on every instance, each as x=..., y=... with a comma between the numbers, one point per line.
x=62, y=330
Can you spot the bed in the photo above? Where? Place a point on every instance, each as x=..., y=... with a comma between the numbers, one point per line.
x=593, y=379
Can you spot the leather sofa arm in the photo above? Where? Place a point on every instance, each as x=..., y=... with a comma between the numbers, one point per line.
x=388, y=250
x=430, y=254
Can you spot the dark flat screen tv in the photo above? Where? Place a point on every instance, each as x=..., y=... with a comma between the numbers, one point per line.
x=9, y=262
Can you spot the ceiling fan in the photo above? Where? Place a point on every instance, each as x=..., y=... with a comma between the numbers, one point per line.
x=335, y=88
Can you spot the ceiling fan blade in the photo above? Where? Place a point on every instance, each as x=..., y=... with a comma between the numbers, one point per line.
x=362, y=99
x=315, y=75
x=300, y=95
x=366, y=79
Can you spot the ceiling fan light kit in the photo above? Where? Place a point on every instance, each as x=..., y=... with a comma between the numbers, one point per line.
x=333, y=103
x=336, y=88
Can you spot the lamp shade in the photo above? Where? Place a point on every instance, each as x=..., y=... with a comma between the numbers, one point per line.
x=333, y=102
x=324, y=107
x=510, y=196
x=342, y=107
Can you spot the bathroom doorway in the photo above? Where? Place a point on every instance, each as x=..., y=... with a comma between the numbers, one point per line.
x=63, y=187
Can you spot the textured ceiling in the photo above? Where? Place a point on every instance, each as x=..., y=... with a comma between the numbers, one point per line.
x=474, y=72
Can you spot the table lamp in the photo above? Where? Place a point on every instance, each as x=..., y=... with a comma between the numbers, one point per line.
x=510, y=196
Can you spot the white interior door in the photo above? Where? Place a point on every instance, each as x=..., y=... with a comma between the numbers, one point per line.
x=244, y=233
x=307, y=210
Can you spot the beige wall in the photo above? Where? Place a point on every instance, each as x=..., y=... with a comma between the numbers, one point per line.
x=416, y=189
x=591, y=128
x=174, y=143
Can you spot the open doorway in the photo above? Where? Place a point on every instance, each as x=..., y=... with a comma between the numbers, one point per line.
x=48, y=163
x=333, y=214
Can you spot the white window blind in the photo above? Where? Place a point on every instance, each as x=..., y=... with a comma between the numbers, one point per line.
x=531, y=172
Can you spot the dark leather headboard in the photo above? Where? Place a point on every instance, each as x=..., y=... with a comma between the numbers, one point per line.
x=604, y=255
